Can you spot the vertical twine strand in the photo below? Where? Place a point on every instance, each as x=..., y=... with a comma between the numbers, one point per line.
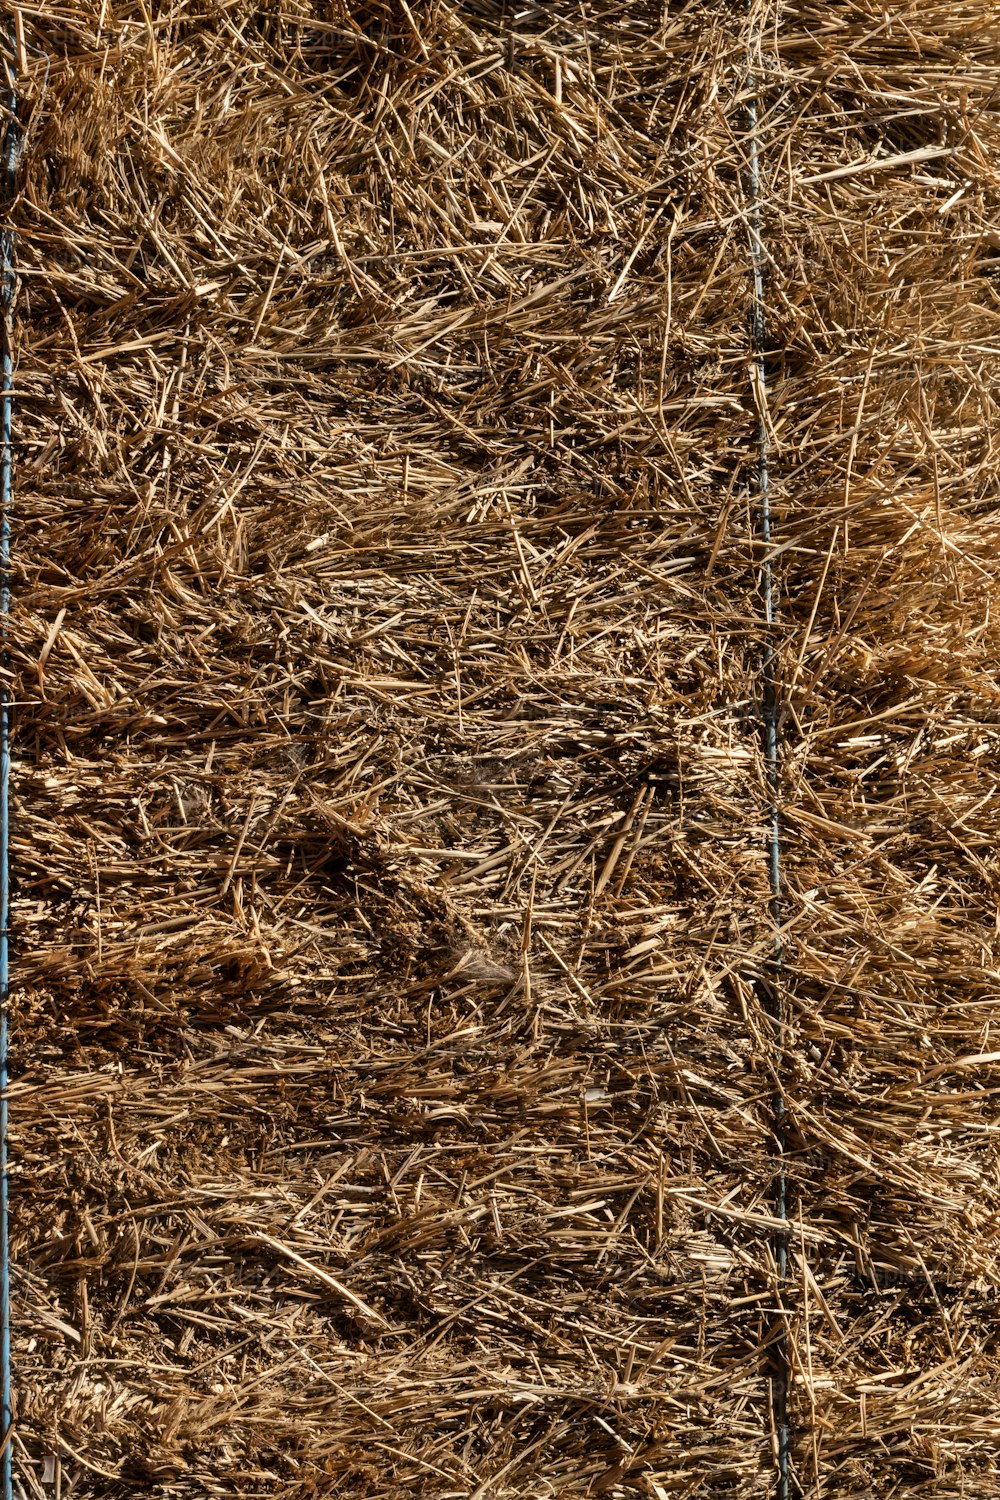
x=762, y=483
x=11, y=139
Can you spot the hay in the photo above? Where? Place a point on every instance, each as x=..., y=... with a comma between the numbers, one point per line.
x=392, y=1111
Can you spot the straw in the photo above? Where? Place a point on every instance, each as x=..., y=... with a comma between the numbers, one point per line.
x=393, y=1109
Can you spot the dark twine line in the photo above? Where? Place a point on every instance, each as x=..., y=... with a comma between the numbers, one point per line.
x=758, y=337
x=8, y=166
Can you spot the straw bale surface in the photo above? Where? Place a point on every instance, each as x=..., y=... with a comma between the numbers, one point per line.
x=394, y=1063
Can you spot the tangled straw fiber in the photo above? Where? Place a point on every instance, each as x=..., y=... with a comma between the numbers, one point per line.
x=394, y=1062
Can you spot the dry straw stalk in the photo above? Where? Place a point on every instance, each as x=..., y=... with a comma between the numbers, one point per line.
x=394, y=1064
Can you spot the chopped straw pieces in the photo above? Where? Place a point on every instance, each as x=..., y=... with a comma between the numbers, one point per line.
x=394, y=1063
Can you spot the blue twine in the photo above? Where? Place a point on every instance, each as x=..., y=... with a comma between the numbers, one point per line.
x=781, y=1374
x=10, y=152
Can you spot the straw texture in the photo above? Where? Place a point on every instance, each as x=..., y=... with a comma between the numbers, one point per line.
x=392, y=1111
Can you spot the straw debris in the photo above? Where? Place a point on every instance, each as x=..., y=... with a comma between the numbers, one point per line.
x=392, y=1110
